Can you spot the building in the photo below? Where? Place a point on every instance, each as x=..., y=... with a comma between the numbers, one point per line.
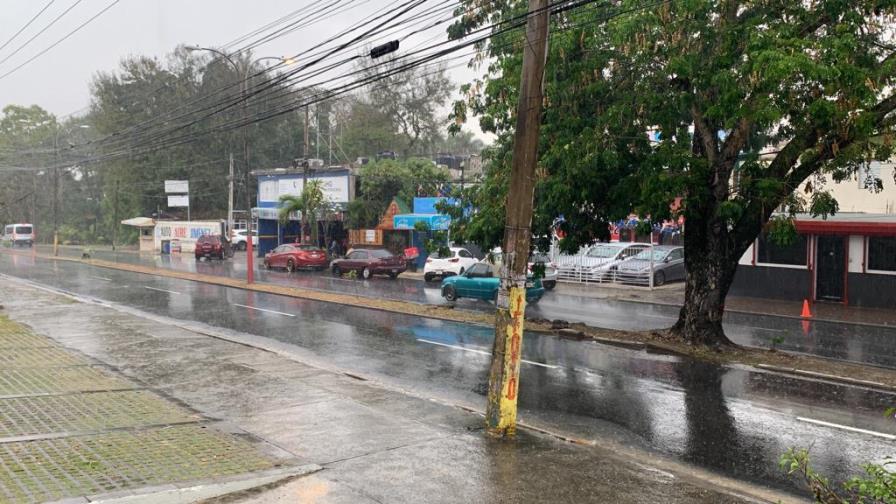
x=339, y=189
x=859, y=194
x=181, y=236
x=848, y=258
x=146, y=227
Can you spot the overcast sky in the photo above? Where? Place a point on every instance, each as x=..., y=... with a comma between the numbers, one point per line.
x=59, y=80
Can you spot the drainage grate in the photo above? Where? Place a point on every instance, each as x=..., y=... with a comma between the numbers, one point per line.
x=37, y=471
x=25, y=381
x=37, y=357
x=91, y=412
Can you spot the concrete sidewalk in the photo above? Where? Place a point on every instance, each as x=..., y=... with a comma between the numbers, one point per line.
x=375, y=444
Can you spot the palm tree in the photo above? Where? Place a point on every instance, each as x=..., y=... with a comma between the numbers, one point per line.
x=311, y=203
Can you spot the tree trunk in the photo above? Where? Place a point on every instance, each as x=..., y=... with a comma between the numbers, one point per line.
x=711, y=264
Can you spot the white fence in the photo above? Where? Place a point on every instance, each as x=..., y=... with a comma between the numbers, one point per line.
x=601, y=263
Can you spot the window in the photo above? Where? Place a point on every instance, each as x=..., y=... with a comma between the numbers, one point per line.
x=676, y=254
x=23, y=229
x=479, y=270
x=380, y=254
x=604, y=252
x=464, y=253
x=769, y=252
x=882, y=253
x=358, y=255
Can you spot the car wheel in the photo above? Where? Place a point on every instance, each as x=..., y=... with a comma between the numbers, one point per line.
x=337, y=271
x=241, y=246
x=366, y=273
x=393, y=276
x=659, y=279
x=290, y=266
x=549, y=285
x=449, y=293
x=428, y=277
x=266, y=265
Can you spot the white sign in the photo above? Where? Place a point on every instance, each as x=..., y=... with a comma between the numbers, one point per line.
x=335, y=188
x=177, y=187
x=178, y=201
x=370, y=235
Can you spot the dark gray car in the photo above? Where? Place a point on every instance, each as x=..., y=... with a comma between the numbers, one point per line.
x=668, y=265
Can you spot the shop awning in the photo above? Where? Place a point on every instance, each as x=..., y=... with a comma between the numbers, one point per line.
x=139, y=222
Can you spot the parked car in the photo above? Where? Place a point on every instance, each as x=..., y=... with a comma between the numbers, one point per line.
x=239, y=239
x=480, y=282
x=599, y=262
x=549, y=280
x=18, y=235
x=369, y=262
x=294, y=256
x=455, y=262
x=668, y=265
x=210, y=246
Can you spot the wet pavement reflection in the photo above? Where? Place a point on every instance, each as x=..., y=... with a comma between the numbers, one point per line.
x=728, y=419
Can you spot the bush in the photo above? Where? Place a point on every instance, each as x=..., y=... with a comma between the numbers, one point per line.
x=878, y=485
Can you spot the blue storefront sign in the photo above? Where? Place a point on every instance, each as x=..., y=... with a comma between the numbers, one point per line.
x=428, y=205
x=408, y=221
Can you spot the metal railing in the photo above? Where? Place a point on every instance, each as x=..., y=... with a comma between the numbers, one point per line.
x=602, y=263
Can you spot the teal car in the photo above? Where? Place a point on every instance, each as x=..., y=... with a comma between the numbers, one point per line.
x=481, y=282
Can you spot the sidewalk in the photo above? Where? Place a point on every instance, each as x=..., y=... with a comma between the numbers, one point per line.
x=673, y=295
x=375, y=444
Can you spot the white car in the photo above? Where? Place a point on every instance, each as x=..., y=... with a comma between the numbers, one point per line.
x=455, y=263
x=239, y=239
x=600, y=262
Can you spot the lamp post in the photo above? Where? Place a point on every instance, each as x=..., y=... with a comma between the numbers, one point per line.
x=56, y=187
x=244, y=87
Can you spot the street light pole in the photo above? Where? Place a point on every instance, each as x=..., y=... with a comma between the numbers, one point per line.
x=244, y=90
x=56, y=188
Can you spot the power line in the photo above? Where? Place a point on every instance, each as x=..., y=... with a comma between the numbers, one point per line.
x=45, y=28
x=54, y=44
x=16, y=34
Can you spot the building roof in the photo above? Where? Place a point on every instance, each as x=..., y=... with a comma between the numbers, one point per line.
x=281, y=172
x=854, y=223
x=139, y=222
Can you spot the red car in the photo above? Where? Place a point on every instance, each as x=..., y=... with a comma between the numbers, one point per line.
x=293, y=256
x=209, y=246
x=369, y=262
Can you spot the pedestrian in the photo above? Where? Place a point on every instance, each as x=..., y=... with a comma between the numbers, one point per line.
x=334, y=248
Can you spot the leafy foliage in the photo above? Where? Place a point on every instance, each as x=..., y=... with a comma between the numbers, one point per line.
x=385, y=180
x=877, y=485
x=728, y=106
x=312, y=204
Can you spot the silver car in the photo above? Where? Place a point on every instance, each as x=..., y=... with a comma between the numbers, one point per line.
x=667, y=265
x=599, y=263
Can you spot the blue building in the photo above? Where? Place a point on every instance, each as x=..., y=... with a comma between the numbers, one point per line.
x=339, y=189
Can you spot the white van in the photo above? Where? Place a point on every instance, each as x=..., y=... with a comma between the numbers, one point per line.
x=18, y=235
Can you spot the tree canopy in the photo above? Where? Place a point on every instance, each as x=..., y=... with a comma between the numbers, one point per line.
x=729, y=105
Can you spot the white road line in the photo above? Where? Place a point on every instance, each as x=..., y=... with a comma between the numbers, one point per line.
x=263, y=310
x=483, y=352
x=101, y=278
x=161, y=290
x=847, y=428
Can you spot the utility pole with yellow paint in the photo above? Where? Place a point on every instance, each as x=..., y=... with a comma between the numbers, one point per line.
x=503, y=385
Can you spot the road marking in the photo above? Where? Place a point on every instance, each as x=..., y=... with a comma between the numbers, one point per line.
x=483, y=352
x=161, y=290
x=101, y=278
x=847, y=428
x=263, y=310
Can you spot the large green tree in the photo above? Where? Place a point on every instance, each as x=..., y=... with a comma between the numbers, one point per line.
x=648, y=103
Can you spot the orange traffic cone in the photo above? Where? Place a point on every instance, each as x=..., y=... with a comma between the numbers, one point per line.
x=806, y=312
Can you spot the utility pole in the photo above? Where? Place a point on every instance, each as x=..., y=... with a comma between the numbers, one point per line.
x=503, y=383
x=56, y=193
x=304, y=174
x=115, y=216
x=230, y=201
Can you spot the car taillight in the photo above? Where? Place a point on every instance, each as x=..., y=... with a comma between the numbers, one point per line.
x=456, y=259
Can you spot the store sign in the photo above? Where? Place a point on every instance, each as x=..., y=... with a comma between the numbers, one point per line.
x=177, y=186
x=335, y=189
x=178, y=201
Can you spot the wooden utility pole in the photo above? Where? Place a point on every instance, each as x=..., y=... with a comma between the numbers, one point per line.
x=230, y=201
x=305, y=165
x=503, y=384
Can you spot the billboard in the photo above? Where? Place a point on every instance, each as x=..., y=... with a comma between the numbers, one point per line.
x=178, y=201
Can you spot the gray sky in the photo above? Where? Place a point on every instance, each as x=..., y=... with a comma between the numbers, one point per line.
x=59, y=80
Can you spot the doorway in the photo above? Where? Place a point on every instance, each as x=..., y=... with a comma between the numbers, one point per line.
x=830, y=277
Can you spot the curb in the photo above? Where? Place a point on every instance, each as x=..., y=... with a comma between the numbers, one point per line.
x=823, y=376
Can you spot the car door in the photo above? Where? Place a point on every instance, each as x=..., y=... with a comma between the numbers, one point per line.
x=358, y=260
x=483, y=284
x=466, y=259
x=675, y=268
x=466, y=286
x=276, y=256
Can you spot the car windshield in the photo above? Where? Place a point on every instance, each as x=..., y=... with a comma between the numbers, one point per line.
x=380, y=254
x=539, y=258
x=658, y=255
x=437, y=255
x=309, y=248
x=23, y=229
x=603, y=252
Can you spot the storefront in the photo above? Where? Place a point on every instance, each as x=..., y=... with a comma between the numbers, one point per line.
x=848, y=258
x=338, y=188
x=180, y=236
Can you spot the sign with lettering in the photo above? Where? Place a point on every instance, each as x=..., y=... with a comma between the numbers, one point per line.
x=177, y=186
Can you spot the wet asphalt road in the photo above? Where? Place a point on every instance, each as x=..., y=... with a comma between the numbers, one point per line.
x=858, y=343
x=728, y=419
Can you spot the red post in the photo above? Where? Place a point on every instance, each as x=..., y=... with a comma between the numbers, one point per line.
x=250, y=254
